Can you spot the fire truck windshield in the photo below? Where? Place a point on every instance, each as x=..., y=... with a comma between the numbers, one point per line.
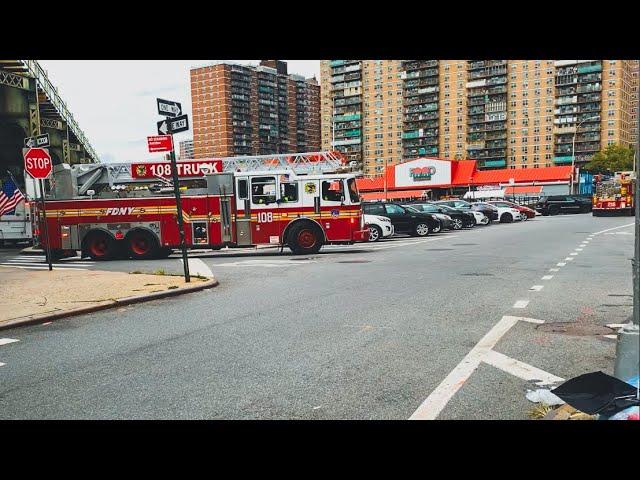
x=353, y=191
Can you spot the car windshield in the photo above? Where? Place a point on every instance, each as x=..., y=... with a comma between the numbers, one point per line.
x=411, y=209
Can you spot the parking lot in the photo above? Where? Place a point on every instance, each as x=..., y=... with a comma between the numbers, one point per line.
x=388, y=330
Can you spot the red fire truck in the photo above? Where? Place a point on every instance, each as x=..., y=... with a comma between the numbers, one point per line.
x=127, y=217
x=614, y=196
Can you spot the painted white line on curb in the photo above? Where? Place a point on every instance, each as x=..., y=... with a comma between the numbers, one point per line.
x=435, y=403
x=610, y=336
x=198, y=267
x=614, y=228
x=561, y=264
x=537, y=288
x=520, y=369
x=7, y=341
x=547, y=277
x=521, y=304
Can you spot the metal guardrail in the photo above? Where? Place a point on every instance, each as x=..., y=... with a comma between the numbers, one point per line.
x=37, y=72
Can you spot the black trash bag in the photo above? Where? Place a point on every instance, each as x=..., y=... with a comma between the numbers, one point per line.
x=597, y=392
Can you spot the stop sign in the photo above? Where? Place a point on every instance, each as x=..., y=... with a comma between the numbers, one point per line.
x=37, y=162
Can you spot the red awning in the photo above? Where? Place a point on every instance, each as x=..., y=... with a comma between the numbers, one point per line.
x=523, y=189
x=397, y=194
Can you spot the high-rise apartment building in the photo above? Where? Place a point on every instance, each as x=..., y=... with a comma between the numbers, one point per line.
x=253, y=110
x=186, y=149
x=504, y=113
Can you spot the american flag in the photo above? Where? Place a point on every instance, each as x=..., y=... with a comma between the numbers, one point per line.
x=10, y=196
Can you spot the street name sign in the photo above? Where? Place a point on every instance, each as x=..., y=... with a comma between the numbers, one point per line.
x=41, y=141
x=168, y=108
x=37, y=162
x=160, y=143
x=173, y=125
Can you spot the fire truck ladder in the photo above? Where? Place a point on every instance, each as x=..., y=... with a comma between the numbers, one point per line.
x=301, y=163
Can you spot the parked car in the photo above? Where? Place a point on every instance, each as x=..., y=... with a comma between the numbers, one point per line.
x=458, y=218
x=490, y=211
x=555, y=204
x=505, y=214
x=446, y=222
x=525, y=212
x=379, y=227
x=404, y=221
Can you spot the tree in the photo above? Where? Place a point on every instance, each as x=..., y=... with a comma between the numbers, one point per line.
x=614, y=158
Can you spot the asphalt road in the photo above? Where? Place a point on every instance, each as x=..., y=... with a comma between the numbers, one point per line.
x=355, y=332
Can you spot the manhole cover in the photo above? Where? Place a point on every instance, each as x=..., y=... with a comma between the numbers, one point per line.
x=575, y=328
x=438, y=249
x=477, y=274
x=355, y=261
x=463, y=244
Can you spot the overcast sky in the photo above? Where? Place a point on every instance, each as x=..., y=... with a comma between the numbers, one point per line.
x=114, y=101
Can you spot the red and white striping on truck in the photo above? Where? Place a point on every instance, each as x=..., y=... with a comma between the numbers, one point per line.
x=234, y=209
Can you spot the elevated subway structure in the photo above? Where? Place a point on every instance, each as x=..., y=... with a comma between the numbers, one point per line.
x=30, y=105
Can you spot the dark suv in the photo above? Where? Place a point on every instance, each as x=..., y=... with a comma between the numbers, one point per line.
x=555, y=204
x=490, y=212
x=404, y=221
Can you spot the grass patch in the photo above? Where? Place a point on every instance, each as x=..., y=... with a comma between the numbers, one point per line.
x=135, y=272
x=160, y=271
x=172, y=287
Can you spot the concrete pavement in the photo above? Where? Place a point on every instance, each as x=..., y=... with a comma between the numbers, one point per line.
x=365, y=332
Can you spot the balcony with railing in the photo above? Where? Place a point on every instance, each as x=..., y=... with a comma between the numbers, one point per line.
x=422, y=82
x=413, y=152
x=590, y=78
x=413, y=92
x=496, y=163
x=589, y=68
x=479, y=64
x=487, y=72
x=415, y=117
x=421, y=108
x=424, y=99
x=410, y=65
x=424, y=124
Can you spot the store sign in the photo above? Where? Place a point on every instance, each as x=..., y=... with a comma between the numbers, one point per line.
x=423, y=172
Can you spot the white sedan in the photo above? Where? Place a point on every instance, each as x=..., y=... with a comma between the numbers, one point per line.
x=379, y=227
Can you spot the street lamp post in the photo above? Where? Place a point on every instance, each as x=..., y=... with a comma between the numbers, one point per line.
x=573, y=151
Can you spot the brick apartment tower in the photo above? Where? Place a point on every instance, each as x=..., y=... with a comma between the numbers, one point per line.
x=246, y=110
x=503, y=113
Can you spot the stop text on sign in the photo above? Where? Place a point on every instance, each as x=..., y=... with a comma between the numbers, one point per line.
x=185, y=169
x=37, y=162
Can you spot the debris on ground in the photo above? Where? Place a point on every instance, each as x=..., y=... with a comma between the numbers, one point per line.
x=542, y=395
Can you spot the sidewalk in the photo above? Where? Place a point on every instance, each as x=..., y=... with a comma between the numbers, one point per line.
x=28, y=296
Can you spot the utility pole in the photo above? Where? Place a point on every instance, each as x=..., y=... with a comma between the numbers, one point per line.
x=627, y=356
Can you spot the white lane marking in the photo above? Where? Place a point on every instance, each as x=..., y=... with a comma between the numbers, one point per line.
x=573, y=253
x=530, y=320
x=569, y=259
x=561, y=264
x=42, y=267
x=520, y=369
x=23, y=262
x=413, y=243
x=610, y=336
x=547, y=277
x=7, y=341
x=579, y=249
x=537, y=288
x=521, y=304
x=614, y=228
x=438, y=399
x=198, y=267
x=554, y=269
x=616, y=325
x=2, y=364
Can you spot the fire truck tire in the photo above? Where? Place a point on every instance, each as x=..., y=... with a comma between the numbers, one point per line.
x=99, y=246
x=164, y=252
x=304, y=238
x=142, y=245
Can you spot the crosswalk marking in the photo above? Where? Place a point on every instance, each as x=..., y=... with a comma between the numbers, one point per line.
x=6, y=341
x=38, y=262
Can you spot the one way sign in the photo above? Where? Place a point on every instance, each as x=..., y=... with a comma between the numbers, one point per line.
x=173, y=125
x=168, y=108
x=41, y=141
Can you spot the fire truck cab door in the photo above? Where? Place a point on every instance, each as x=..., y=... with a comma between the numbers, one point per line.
x=264, y=207
x=243, y=212
x=311, y=197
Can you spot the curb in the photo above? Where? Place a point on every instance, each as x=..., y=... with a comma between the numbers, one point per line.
x=34, y=319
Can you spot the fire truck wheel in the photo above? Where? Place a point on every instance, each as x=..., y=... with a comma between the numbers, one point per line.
x=304, y=238
x=164, y=252
x=141, y=245
x=99, y=246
